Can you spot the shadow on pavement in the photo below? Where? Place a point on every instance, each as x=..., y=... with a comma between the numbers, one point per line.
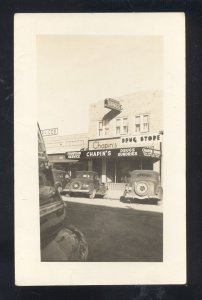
x=117, y=234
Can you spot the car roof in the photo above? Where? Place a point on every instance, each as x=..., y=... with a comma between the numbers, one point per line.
x=144, y=173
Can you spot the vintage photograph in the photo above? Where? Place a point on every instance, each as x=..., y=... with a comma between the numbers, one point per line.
x=100, y=193
x=100, y=114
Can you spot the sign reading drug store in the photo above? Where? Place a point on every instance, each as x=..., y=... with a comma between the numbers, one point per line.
x=136, y=140
x=125, y=141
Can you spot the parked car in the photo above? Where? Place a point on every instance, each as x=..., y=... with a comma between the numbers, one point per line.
x=143, y=187
x=58, y=242
x=85, y=182
x=60, y=178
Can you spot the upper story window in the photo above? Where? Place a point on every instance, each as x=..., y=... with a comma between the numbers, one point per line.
x=118, y=126
x=142, y=123
x=121, y=126
x=100, y=128
x=125, y=125
x=103, y=128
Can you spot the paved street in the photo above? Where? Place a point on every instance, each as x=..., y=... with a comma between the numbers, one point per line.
x=118, y=231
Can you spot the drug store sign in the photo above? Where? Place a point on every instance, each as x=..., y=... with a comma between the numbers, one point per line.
x=141, y=139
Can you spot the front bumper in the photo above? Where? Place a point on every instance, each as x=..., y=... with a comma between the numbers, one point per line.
x=131, y=195
x=76, y=191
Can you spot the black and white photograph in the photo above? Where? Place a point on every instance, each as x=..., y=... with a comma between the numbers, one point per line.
x=106, y=102
x=106, y=160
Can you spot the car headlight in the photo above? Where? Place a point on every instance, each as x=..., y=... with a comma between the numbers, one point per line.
x=128, y=188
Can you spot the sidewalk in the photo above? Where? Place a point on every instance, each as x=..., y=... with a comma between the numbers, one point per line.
x=115, y=203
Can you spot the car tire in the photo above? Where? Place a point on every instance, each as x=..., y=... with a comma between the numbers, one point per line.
x=122, y=199
x=92, y=195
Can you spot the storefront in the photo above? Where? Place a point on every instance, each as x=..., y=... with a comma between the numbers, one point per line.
x=69, y=162
x=114, y=158
x=114, y=165
x=64, y=151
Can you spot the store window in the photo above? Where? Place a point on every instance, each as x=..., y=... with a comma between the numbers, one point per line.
x=125, y=125
x=121, y=126
x=142, y=123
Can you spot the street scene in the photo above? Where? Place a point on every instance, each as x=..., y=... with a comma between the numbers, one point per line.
x=101, y=149
x=116, y=231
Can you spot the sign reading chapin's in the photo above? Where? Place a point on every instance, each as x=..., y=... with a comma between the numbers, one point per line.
x=112, y=143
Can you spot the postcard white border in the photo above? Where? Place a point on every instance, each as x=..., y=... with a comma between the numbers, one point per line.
x=28, y=268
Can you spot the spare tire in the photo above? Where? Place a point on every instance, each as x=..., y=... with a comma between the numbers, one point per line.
x=141, y=188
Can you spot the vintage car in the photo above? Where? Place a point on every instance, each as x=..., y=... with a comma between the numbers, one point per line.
x=143, y=187
x=60, y=178
x=85, y=182
x=58, y=241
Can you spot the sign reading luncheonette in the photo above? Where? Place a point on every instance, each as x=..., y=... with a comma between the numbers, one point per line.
x=141, y=139
x=112, y=104
x=48, y=132
x=121, y=152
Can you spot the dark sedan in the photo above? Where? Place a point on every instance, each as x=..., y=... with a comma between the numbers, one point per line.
x=85, y=182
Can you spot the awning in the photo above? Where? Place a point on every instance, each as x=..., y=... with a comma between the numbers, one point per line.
x=120, y=153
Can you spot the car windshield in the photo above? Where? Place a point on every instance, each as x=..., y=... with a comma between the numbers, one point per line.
x=84, y=175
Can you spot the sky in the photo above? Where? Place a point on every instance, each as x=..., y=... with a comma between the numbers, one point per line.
x=74, y=71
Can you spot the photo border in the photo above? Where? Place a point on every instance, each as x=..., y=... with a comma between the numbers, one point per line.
x=27, y=254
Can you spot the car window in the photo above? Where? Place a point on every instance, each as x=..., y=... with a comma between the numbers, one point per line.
x=84, y=175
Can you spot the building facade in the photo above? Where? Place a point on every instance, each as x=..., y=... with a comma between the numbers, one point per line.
x=57, y=147
x=126, y=135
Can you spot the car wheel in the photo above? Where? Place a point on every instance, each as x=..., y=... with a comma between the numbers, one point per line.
x=122, y=199
x=92, y=195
